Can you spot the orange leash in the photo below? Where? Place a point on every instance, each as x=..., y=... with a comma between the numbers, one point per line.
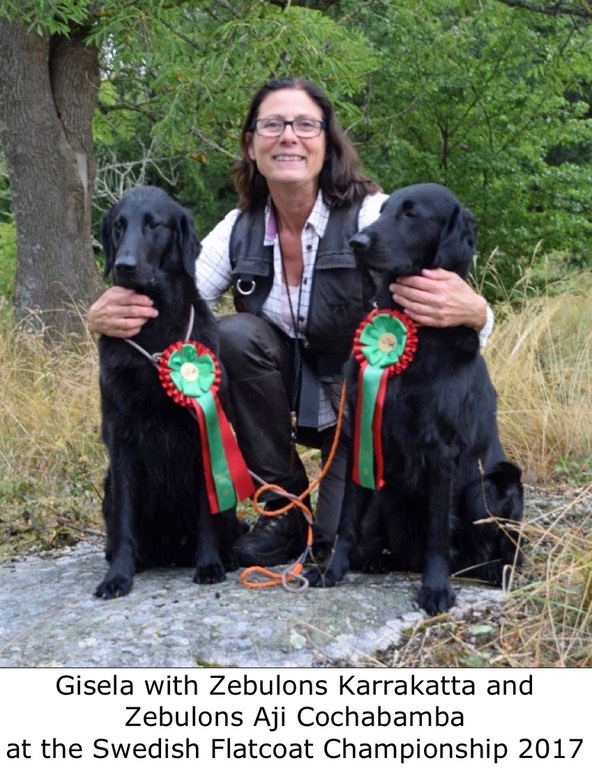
x=291, y=578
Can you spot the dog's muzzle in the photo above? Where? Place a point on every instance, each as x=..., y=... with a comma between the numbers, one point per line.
x=360, y=241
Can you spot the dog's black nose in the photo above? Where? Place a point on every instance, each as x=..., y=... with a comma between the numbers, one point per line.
x=126, y=264
x=360, y=241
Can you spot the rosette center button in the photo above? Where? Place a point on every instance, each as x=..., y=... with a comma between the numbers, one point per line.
x=189, y=372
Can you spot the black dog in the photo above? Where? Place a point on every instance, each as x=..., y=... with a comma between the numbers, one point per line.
x=444, y=467
x=155, y=506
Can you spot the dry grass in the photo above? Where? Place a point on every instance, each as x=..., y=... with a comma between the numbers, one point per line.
x=549, y=616
x=546, y=617
x=51, y=456
x=540, y=356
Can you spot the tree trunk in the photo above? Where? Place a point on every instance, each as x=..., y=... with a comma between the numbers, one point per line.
x=48, y=92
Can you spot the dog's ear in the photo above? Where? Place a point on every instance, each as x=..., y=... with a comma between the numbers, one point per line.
x=107, y=241
x=188, y=243
x=458, y=242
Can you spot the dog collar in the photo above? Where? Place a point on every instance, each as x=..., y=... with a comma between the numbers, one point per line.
x=384, y=345
x=156, y=356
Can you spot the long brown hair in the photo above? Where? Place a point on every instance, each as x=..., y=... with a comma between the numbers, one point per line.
x=341, y=180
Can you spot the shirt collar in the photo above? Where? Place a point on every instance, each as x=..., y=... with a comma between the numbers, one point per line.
x=317, y=219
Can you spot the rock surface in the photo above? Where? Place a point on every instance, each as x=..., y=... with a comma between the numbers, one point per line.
x=50, y=617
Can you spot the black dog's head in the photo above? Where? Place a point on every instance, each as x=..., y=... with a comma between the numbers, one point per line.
x=145, y=236
x=421, y=226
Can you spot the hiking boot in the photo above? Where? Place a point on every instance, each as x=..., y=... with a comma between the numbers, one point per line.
x=273, y=539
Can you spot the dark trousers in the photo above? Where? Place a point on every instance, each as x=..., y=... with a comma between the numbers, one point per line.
x=259, y=363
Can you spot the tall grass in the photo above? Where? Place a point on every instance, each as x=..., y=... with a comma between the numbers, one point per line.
x=51, y=456
x=540, y=359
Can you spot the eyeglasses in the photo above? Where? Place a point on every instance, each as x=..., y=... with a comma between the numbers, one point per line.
x=302, y=127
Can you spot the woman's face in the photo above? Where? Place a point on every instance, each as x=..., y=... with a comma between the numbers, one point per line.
x=288, y=160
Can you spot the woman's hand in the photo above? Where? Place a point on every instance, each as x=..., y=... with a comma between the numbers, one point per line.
x=440, y=299
x=120, y=312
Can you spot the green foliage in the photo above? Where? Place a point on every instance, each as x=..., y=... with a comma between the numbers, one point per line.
x=477, y=96
x=492, y=100
x=48, y=16
x=196, y=74
x=575, y=471
x=180, y=78
x=7, y=259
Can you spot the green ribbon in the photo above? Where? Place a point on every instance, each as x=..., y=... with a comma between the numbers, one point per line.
x=370, y=383
x=194, y=375
x=219, y=466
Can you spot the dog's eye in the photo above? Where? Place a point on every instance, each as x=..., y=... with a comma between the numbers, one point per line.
x=152, y=222
x=407, y=210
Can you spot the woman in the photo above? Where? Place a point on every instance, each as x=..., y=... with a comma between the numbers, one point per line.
x=299, y=297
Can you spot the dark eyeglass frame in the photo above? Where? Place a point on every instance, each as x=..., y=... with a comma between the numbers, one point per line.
x=293, y=123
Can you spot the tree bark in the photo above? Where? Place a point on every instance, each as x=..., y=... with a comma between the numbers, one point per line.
x=48, y=92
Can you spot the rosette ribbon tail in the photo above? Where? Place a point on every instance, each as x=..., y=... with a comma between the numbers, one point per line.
x=239, y=473
x=190, y=374
x=368, y=465
x=225, y=471
x=384, y=345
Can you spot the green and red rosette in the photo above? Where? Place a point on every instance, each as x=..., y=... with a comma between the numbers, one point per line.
x=384, y=345
x=190, y=374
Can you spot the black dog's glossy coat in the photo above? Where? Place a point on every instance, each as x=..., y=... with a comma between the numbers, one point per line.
x=155, y=506
x=444, y=465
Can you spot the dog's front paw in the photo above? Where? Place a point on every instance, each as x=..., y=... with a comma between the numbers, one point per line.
x=113, y=586
x=209, y=573
x=436, y=600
